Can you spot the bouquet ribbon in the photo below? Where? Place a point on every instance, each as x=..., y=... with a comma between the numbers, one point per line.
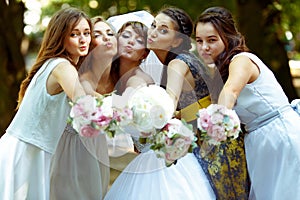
x=189, y=112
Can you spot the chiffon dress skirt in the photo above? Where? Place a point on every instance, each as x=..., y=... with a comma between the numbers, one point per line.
x=17, y=170
x=146, y=177
x=281, y=177
x=76, y=172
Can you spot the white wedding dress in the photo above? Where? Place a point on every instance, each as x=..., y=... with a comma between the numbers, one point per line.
x=146, y=177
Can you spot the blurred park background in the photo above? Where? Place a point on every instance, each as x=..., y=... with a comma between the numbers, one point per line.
x=271, y=28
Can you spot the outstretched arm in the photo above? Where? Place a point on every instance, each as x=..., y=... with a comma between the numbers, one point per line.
x=88, y=86
x=241, y=72
x=177, y=71
x=65, y=77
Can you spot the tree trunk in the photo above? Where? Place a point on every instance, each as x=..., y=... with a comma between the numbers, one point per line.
x=260, y=22
x=12, y=63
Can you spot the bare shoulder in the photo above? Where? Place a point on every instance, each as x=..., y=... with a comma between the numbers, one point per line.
x=64, y=66
x=64, y=72
x=245, y=67
x=179, y=66
x=177, y=62
x=241, y=59
x=64, y=69
x=242, y=62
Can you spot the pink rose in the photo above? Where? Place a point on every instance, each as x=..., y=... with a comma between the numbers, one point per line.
x=178, y=149
x=102, y=120
x=217, y=118
x=218, y=133
x=77, y=110
x=88, y=131
x=204, y=121
x=117, y=116
x=169, y=160
x=84, y=106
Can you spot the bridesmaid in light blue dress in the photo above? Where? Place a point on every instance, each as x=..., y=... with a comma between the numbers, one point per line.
x=31, y=138
x=272, y=142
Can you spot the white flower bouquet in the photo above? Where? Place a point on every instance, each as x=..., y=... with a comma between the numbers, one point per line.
x=152, y=107
x=218, y=124
x=173, y=141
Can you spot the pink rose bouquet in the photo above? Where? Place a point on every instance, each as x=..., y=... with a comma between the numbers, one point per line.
x=173, y=141
x=91, y=116
x=218, y=124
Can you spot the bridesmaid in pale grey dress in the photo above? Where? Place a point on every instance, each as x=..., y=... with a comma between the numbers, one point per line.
x=80, y=169
x=80, y=166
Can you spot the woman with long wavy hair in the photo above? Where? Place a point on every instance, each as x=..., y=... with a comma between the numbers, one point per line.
x=43, y=107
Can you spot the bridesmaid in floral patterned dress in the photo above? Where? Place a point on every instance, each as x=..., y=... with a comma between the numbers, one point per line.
x=224, y=164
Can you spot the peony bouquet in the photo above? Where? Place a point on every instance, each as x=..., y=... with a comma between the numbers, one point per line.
x=218, y=124
x=173, y=141
x=152, y=107
x=91, y=116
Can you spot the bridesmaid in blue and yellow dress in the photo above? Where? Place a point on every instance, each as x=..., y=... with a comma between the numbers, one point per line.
x=225, y=164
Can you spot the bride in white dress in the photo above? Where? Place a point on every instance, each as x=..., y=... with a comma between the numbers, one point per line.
x=147, y=177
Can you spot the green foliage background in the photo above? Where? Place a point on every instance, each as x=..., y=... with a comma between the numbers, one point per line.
x=263, y=23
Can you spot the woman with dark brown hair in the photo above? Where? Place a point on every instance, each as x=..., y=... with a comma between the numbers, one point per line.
x=224, y=164
x=272, y=140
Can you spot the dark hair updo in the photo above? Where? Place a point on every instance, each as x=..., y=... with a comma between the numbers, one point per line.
x=184, y=25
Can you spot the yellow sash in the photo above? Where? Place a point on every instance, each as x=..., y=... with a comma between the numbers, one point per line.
x=189, y=113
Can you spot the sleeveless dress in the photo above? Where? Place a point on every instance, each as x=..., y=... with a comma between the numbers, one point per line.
x=273, y=140
x=31, y=139
x=79, y=167
x=147, y=177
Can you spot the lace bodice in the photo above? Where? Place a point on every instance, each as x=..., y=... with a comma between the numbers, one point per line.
x=197, y=69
